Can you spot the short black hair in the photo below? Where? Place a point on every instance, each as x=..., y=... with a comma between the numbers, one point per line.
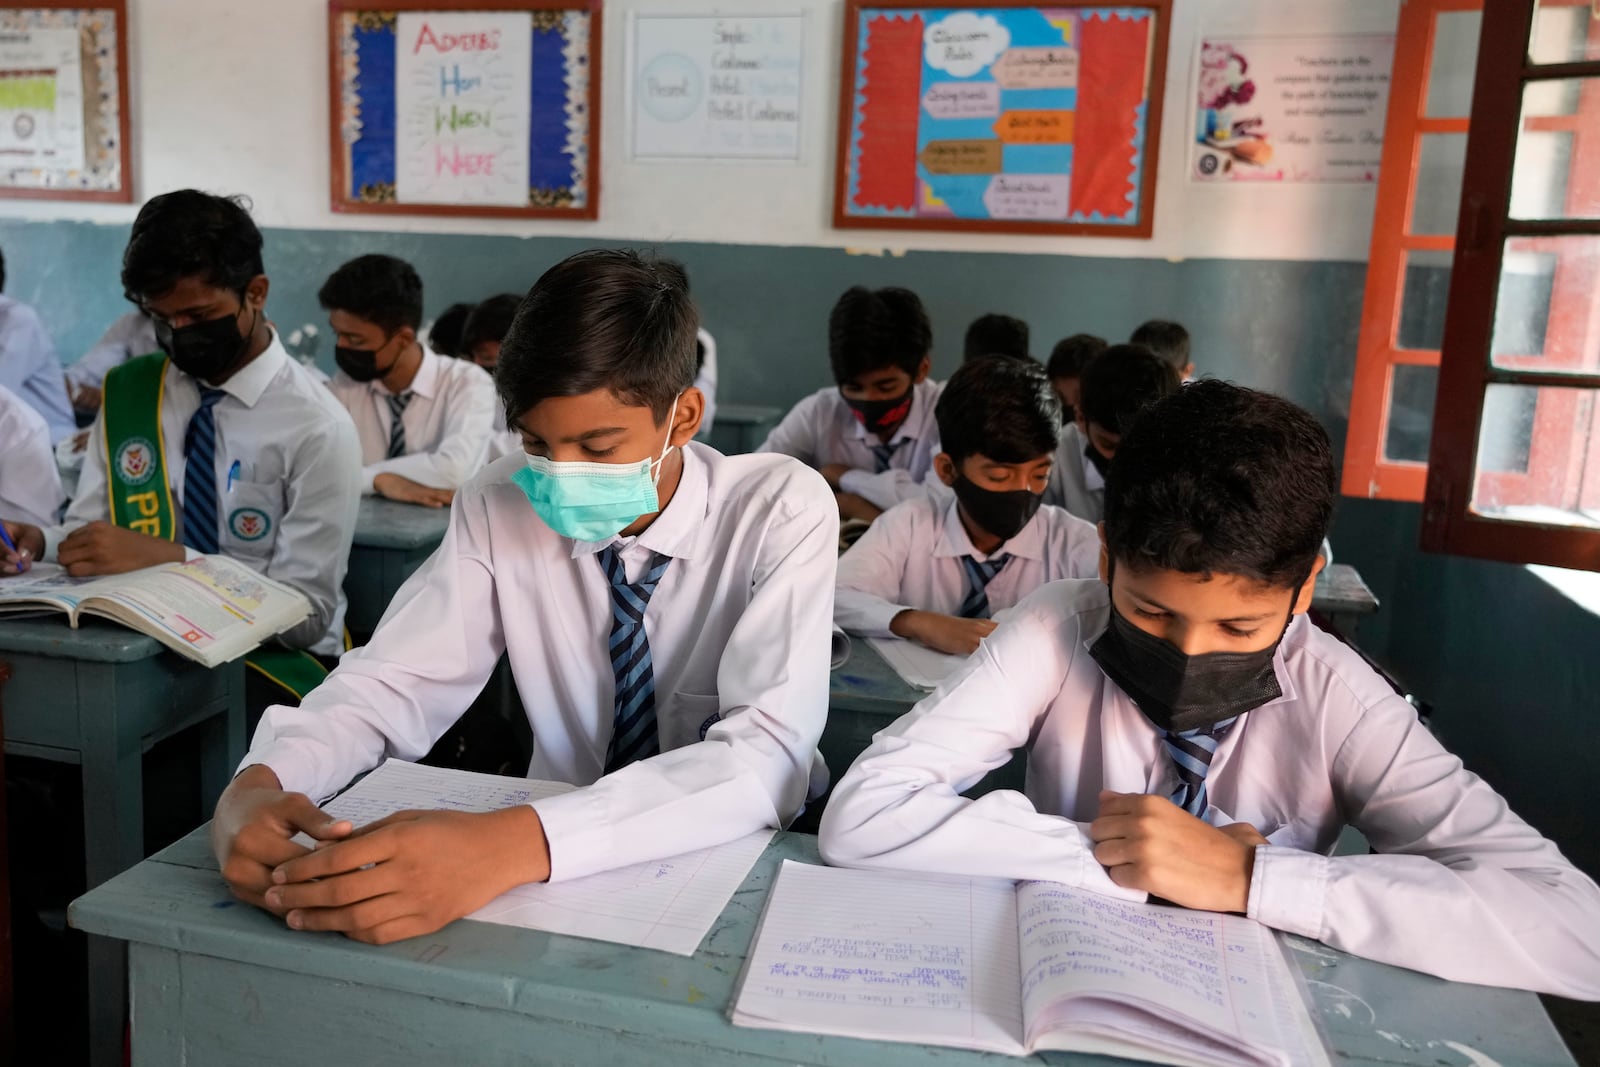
x=602, y=319
x=1167, y=339
x=383, y=290
x=2, y=272
x=1218, y=479
x=1072, y=354
x=189, y=234
x=869, y=330
x=995, y=335
x=444, y=336
x=1120, y=382
x=489, y=321
x=999, y=407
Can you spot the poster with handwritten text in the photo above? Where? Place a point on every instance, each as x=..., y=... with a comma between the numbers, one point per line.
x=723, y=87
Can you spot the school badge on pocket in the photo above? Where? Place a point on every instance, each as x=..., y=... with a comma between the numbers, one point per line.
x=249, y=524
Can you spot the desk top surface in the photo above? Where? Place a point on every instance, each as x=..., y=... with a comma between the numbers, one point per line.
x=384, y=523
x=95, y=640
x=1371, y=1013
x=867, y=684
x=1340, y=588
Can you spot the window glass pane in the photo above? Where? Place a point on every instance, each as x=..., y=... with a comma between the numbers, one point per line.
x=1555, y=174
x=1424, y=292
x=1546, y=316
x=1564, y=33
x=1411, y=393
x=1436, y=200
x=1538, y=456
x=1452, y=63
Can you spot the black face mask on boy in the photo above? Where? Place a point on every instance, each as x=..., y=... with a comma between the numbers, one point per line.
x=1002, y=513
x=881, y=416
x=206, y=350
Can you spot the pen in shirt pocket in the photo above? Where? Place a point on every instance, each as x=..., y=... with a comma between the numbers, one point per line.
x=233, y=475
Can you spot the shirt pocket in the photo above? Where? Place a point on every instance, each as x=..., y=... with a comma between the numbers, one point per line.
x=251, y=513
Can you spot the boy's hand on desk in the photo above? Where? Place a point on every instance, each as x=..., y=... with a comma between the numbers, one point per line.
x=398, y=487
x=833, y=472
x=856, y=507
x=30, y=546
x=942, y=633
x=411, y=873
x=252, y=828
x=1148, y=842
x=101, y=548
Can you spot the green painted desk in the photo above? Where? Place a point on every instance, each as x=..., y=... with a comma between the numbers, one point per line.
x=391, y=542
x=1343, y=597
x=101, y=696
x=219, y=983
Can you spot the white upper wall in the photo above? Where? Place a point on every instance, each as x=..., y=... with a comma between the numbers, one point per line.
x=232, y=96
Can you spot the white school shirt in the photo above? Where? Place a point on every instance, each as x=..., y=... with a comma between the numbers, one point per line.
x=739, y=641
x=1462, y=888
x=910, y=558
x=1075, y=483
x=29, y=368
x=299, y=466
x=30, y=485
x=821, y=429
x=447, y=422
x=134, y=334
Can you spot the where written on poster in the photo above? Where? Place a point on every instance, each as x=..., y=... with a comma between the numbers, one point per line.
x=724, y=87
x=1291, y=109
x=41, y=99
x=462, y=107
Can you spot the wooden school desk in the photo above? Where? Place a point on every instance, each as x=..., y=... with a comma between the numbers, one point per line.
x=1343, y=597
x=392, y=540
x=102, y=696
x=220, y=983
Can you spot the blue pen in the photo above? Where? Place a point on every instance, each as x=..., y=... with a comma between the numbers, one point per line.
x=12, y=545
x=233, y=475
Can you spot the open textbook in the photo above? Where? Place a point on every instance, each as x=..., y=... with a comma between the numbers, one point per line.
x=1018, y=968
x=668, y=904
x=211, y=609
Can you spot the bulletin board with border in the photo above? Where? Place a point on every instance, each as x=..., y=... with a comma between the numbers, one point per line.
x=64, y=105
x=476, y=107
x=1005, y=116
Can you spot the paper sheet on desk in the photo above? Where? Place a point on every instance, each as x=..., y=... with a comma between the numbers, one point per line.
x=917, y=664
x=668, y=904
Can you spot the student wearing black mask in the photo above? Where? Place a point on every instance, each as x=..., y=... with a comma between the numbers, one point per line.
x=936, y=569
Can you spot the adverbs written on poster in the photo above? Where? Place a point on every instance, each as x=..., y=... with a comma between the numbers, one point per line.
x=41, y=99
x=1291, y=109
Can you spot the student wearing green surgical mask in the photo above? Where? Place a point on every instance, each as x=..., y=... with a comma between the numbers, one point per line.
x=665, y=610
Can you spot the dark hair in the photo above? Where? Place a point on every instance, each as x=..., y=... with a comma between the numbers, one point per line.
x=1072, y=354
x=2, y=272
x=444, y=336
x=489, y=321
x=1121, y=381
x=995, y=335
x=190, y=234
x=602, y=319
x=1218, y=479
x=869, y=330
x=999, y=407
x=380, y=289
x=1169, y=340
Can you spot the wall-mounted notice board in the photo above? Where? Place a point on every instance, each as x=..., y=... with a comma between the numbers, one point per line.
x=64, y=101
x=1004, y=116
x=477, y=107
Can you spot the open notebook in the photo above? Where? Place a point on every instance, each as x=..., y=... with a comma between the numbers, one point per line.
x=1017, y=968
x=666, y=904
x=211, y=609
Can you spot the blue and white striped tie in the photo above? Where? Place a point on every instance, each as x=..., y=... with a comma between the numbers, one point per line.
x=200, y=475
x=979, y=575
x=397, y=426
x=633, y=722
x=882, y=454
x=1191, y=752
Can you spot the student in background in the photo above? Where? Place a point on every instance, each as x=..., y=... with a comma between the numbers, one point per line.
x=444, y=336
x=937, y=568
x=1170, y=341
x=134, y=334
x=666, y=613
x=872, y=436
x=705, y=376
x=1190, y=736
x=1115, y=386
x=28, y=364
x=485, y=331
x=255, y=461
x=30, y=487
x=995, y=335
x=423, y=419
x=1067, y=360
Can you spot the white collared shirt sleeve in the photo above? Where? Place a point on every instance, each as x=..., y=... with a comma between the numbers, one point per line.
x=89, y=501
x=461, y=444
x=900, y=804
x=29, y=367
x=887, y=488
x=1461, y=887
x=130, y=335
x=798, y=434
x=871, y=575
x=30, y=485
x=320, y=497
x=1080, y=547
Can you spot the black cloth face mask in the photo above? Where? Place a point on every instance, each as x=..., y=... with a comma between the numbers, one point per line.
x=1002, y=513
x=881, y=416
x=361, y=364
x=206, y=350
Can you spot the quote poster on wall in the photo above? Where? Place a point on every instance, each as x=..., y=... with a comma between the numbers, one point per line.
x=1291, y=109
x=724, y=87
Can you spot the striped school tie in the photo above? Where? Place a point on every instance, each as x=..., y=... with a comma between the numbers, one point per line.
x=979, y=574
x=1191, y=753
x=882, y=454
x=397, y=428
x=200, y=475
x=633, y=712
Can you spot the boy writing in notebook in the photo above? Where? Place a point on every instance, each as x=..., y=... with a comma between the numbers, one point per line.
x=423, y=419
x=937, y=568
x=872, y=436
x=1192, y=736
x=665, y=610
